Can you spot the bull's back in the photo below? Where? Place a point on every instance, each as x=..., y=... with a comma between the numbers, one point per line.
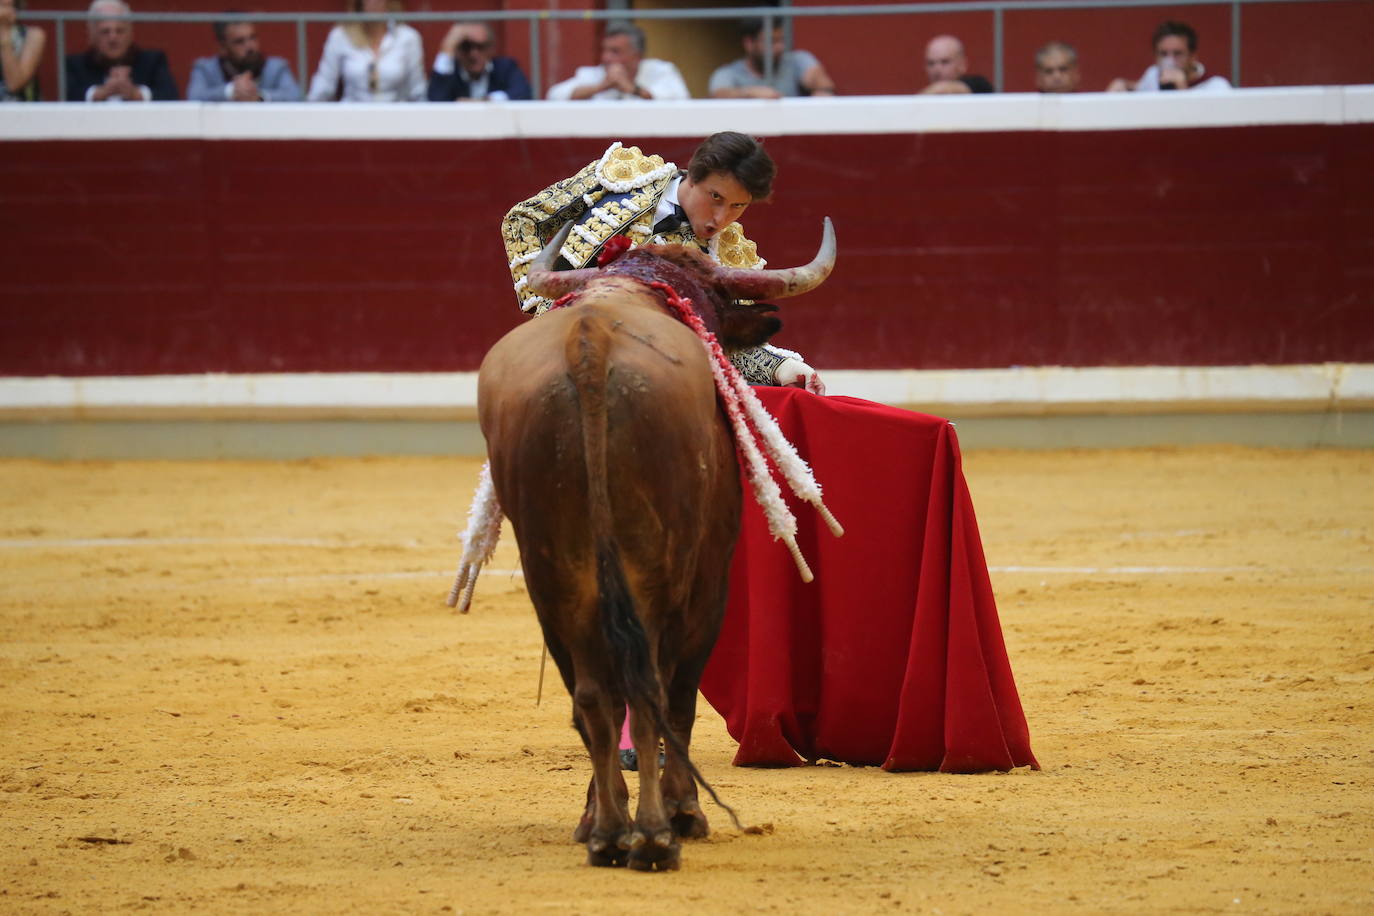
x=667, y=451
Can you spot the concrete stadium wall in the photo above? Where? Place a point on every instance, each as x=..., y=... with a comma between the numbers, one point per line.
x=338, y=246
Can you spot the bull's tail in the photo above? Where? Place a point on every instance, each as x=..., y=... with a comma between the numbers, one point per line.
x=588, y=352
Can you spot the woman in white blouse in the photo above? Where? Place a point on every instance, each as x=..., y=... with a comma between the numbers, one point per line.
x=371, y=61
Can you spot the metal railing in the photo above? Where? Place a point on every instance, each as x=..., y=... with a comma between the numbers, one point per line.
x=769, y=14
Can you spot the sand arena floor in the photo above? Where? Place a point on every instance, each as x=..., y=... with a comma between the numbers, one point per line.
x=234, y=687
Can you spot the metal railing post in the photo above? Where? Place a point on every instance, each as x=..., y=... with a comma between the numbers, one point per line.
x=997, y=49
x=766, y=39
x=302, y=65
x=1235, y=43
x=536, y=65
x=60, y=37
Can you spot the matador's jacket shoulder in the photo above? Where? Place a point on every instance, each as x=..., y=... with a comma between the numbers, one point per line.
x=617, y=195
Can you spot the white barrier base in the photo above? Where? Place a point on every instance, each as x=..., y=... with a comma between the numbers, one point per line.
x=1015, y=392
x=303, y=415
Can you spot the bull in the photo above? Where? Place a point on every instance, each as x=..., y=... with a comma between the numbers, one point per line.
x=611, y=457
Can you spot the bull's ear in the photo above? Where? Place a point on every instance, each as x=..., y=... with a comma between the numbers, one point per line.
x=748, y=325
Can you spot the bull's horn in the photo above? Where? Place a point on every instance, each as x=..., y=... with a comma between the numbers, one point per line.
x=779, y=284
x=546, y=281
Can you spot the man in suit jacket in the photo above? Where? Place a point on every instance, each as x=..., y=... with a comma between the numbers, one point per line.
x=113, y=68
x=241, y=73
x=466, y=71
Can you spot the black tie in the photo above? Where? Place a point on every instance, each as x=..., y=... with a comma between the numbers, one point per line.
x=671, y=221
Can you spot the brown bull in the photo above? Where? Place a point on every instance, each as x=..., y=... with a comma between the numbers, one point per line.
x=617, y=470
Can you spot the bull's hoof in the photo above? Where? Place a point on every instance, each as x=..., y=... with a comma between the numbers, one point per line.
x=629, y=759
x=661, y=853
x=605, y=853
x=690, y=822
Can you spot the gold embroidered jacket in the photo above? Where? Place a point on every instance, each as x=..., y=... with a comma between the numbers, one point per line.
x=617, y=195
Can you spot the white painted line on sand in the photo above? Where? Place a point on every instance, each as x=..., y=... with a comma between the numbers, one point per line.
x=72, y=543
x=1125, y=570
x=346, y=577
x=67, y=543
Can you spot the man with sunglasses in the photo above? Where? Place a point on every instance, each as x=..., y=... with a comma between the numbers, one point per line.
x=465, y=70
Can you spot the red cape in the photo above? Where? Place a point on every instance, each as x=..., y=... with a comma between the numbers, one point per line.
x=894, y=655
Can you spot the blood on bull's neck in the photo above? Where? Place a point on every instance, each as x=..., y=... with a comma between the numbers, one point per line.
x=688, y=272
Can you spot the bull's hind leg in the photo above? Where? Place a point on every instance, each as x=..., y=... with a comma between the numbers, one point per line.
x=654, y=846
x=608, y=841
x=679, y=788
x=621, y=792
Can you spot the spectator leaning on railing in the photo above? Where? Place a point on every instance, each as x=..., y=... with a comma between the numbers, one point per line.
x=795, y=73
x=240, y=73
x=947, y=69
x=1176, y=66
x=624, y=72
x=113, y=68
x=21, y=50
x=371, y=61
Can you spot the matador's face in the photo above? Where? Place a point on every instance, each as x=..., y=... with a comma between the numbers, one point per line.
x=713, y=203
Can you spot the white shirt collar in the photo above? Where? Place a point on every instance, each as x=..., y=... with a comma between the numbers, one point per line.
x=668, y=200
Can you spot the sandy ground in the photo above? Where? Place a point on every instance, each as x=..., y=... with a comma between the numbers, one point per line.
x=235, y=687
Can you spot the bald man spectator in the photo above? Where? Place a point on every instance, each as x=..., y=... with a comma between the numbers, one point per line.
x=1176, y=65
x=947, y=69
x=1056, y=68
x=465, y=70
x=624, y=72
x=113, y=68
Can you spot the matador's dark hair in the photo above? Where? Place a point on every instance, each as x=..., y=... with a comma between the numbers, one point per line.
x=739, y=155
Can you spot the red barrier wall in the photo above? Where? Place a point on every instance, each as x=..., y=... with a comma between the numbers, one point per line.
x=1284, y=44
x=1209, y=246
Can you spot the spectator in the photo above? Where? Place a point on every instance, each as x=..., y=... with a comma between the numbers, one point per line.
x=241, y=73
x=371, y=61
x=21, y=50
x=794, y=72
x=1176, y=65
x=481, y=77
x=113, y=68
x=624, y=72
x=947, y=69
x=1056, y=68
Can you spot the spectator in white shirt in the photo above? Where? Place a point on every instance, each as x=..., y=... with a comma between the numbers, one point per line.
x=624, y=72
x=1176, y=65
x=371, y=61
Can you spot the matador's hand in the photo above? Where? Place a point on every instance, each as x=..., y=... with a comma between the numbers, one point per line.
x=793, y=373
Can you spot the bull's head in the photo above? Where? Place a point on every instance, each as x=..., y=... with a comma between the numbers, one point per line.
x=736, y=324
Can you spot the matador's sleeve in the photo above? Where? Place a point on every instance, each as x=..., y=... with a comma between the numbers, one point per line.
x=529, y=225
x=616, y=193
